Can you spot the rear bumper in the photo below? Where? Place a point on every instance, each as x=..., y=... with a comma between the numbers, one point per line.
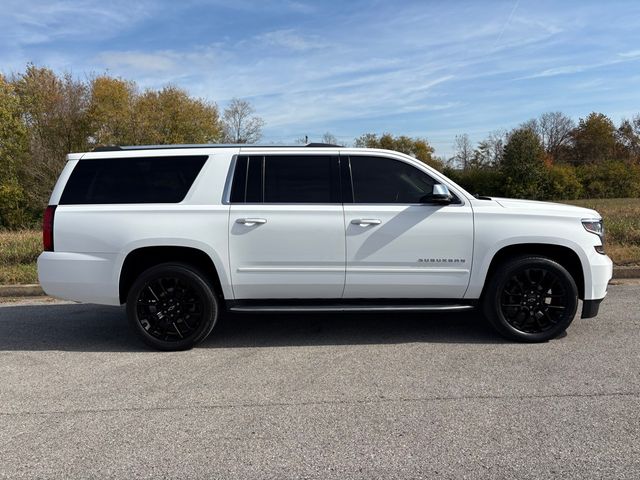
x=81, y=277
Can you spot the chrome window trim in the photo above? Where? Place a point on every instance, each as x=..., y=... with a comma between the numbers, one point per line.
x=226, y=192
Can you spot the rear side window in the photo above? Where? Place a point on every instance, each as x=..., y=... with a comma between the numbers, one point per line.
x=132, y=180
x=286, y=179
x=305, y=179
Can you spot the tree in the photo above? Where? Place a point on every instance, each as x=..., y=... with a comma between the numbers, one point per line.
x=329, y=138
x=240, y=123
x=628, y=136
x=46, y=115
x=523, y=165
x=110, y=113
x=14, y=145
x=54, y=112
x=555, y=132
x=463, y=149
x=170, y=116
x=416, y=147
x=594, y=140
x=489, y=151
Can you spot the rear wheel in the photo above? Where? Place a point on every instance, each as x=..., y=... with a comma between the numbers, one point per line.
x=172, y=307
x=531, y=299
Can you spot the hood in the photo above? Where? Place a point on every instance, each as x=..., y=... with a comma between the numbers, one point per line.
x=534, y=206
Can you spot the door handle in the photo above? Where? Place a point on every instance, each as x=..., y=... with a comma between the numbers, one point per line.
x=250, y=222
x=364, y=222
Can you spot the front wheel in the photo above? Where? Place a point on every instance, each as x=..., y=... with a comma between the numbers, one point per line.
x=172, y=307
x=531, y=299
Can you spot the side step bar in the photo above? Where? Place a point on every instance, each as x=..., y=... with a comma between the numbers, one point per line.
x=350, y=308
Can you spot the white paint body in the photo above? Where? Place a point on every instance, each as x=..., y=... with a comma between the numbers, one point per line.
x=309, y=251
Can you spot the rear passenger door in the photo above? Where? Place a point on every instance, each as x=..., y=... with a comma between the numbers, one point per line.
x=286, y=227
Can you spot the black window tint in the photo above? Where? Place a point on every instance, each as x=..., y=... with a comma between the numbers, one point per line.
x=132, y=180
x=384, y=180
x=300, y=179
x=254, y=180
x=239, y=186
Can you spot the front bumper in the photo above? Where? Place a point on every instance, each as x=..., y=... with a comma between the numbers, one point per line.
x=590, y=308
x=598, y=273
x=597, y=277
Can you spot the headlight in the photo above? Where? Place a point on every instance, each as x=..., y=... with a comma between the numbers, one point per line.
x=594, y=225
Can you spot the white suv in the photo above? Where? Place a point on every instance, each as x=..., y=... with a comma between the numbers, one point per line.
x=181, y=233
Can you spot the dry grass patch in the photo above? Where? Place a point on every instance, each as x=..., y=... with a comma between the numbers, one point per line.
x=622, y=227
x=18, y=253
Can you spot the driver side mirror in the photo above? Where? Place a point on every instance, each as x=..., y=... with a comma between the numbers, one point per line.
x=439, y=194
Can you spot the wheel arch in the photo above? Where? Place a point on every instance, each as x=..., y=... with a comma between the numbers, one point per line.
x=142, y=258
x=561, y=254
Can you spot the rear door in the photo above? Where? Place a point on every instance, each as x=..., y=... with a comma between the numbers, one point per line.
x=286, y=227
x=398, y=244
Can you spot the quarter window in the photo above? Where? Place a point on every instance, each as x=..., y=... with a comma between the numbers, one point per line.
x=132, y=180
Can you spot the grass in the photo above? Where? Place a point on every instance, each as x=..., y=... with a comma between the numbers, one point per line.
x=621, y=225
x=20, y=249
x=18, y=253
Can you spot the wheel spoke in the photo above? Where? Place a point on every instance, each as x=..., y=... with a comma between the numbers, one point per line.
x=534, y=299
x=153, y=293
x=170, y=309
x=177, y=329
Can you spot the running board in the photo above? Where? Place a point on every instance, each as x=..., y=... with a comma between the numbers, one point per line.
x=350, y=308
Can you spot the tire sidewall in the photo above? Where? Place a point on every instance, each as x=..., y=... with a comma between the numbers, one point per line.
x=197, y=281
x=504, y=274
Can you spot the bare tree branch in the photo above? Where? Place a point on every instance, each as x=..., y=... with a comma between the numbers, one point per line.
x=240, y=123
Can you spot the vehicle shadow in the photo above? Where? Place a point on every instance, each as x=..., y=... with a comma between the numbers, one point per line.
x=81, y=327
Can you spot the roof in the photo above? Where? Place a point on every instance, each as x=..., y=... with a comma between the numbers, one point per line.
x=120, y=148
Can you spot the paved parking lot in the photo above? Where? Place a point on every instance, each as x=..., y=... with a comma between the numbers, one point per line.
x=317, y=396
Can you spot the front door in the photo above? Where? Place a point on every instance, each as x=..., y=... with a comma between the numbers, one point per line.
x=286, y=227
x=398, y=244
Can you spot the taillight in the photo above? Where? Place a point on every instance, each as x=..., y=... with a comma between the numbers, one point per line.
x=47, y=228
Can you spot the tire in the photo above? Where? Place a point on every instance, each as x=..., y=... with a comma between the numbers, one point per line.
x=172, y=307
x=530, y=299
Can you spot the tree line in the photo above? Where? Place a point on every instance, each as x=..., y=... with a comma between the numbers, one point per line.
x=552, y=157
x=45, y=115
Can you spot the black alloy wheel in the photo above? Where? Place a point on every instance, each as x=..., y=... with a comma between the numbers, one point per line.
x=172, y=307
x=531, y=299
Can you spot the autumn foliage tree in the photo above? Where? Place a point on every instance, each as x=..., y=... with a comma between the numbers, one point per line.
x=44, y=116
x=416, y=147
x=14, y=145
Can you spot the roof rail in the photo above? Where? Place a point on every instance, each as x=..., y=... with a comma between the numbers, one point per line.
x=119, y=148
x=107, y=148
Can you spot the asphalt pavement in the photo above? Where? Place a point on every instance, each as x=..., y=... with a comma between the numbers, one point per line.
x=319, y=396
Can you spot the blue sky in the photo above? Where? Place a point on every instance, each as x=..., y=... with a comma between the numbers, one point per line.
x=421, y=68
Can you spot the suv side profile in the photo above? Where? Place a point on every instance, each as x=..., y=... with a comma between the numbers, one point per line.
x=183, y=233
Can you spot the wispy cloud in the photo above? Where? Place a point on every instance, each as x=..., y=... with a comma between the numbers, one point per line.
x=431, y=69
x=291, y=40
x=139, y=61
x=630, y=54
